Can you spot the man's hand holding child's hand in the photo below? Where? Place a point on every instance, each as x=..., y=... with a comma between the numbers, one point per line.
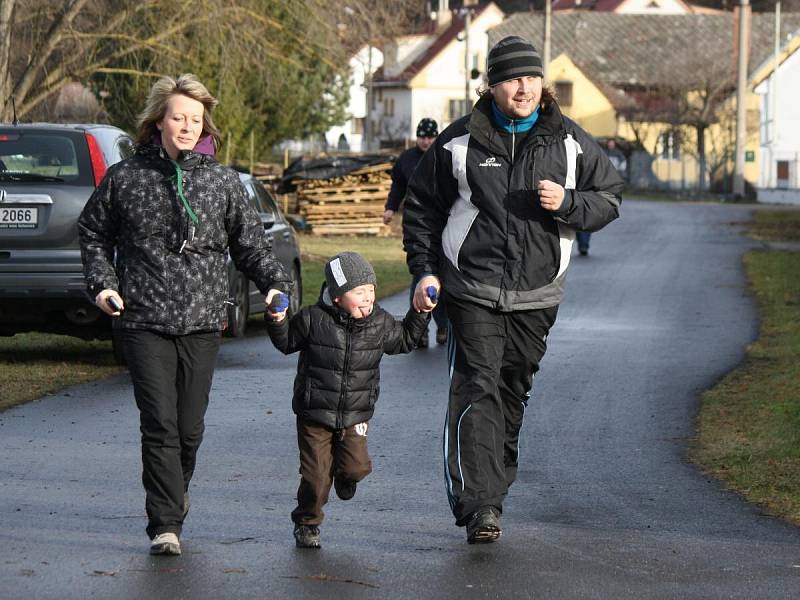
x=422, y=300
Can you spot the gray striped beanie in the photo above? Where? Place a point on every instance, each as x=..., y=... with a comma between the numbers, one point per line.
x=512, y=58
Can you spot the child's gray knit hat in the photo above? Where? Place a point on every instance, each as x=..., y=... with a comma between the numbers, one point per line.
x=346, y=271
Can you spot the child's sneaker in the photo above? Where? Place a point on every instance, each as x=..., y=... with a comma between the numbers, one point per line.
x=165, y=543
x=345, y=488
x=306, y=536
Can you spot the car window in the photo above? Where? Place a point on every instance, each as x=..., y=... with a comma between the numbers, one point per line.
x=42, y=156
x=266, y=202
x=125, y=147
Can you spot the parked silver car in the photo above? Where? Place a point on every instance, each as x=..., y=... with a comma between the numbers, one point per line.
x=245, y=297
x=47, y=173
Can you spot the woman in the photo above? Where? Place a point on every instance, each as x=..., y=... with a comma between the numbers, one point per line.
x=169, y=213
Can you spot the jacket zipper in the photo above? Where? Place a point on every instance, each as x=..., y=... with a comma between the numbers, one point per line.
x=343, y=394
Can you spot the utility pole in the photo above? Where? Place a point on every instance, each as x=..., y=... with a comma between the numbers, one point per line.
x=467, y=69
x=368, y=112
x=548, y=23
x=772, y=180
x=741, y=94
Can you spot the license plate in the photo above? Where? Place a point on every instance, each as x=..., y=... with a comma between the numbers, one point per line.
x=19, y=218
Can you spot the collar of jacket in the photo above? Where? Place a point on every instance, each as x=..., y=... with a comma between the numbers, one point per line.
x=187, y=159
x=482, y=127
x=510, y=125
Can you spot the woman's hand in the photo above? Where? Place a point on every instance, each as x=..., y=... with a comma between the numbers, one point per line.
x=101, y=300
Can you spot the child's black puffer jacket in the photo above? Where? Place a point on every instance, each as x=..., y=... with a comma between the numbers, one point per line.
x=338, y=377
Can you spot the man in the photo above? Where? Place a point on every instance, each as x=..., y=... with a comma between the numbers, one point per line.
x=620, y=163
x=489, y=221
x=427, y=130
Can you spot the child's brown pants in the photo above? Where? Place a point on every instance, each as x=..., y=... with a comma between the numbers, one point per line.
x=326, y=453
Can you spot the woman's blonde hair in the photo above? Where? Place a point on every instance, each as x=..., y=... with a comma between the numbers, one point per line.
x=156, y=107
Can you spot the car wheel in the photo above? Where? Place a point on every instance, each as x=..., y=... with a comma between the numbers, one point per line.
x=240, y=311
x=119, y=351
x=296, y=299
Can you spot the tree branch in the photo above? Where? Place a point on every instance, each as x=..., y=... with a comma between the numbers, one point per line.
x=43, y=50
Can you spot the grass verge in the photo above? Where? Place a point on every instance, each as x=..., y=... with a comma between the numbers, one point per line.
x=749, y=424
x=35, y=364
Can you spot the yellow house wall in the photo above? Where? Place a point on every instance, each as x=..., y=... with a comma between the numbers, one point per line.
x=590, y=108
x=684, y=171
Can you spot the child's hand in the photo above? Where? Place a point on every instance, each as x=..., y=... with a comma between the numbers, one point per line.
x=277, y=305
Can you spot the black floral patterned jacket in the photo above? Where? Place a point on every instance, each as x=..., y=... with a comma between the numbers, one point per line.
x=169, y=266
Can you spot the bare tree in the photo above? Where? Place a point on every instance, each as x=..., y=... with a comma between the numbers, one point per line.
x=46, y=45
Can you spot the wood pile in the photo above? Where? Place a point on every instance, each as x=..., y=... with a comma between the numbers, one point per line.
x=350, y=204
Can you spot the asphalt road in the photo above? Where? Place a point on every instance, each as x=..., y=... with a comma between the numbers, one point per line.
x=605, y=505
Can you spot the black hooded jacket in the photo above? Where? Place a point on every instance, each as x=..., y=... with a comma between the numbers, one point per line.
x=472, y=215
x=136, y=212
x=338, y=375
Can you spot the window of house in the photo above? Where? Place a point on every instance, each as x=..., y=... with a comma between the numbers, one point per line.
x=456, y=109
x=564, y=93
x=357, y=126
x=783, y=173
x=388, y=107
x=670, y=145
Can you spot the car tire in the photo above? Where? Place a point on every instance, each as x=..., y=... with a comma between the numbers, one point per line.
x=296, y=299
x=239, y=312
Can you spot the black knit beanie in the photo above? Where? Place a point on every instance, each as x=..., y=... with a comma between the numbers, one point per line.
x=512, y=58
x=347, y=270
x=427, y=128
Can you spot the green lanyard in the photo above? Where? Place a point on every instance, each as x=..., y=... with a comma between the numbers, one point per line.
x=179, y=182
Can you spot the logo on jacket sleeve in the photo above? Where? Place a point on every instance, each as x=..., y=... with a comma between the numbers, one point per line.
x=490, y=162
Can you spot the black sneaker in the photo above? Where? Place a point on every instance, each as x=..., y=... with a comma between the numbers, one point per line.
x=441, y=335
x=483, y=527
x=345, y=488
x=306, y=536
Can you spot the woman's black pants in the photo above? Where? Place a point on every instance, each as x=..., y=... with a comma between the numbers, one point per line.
x=171, y=380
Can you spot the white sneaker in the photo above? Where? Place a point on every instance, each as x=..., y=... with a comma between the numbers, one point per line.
x=165, y=543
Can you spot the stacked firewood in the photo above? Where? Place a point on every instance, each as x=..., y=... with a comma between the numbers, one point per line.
x=350, y=204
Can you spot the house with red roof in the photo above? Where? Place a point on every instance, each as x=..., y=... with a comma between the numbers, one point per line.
x=431, y=74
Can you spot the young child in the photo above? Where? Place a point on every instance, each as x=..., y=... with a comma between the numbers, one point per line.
x=341, y=340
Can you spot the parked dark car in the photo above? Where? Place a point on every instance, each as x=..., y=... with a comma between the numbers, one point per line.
x=245, y=297
x=47, y=173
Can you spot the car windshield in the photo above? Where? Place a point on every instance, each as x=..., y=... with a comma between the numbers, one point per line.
x=43, y=157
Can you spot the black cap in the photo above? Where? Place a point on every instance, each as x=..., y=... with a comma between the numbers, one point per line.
x=512, y=58
x=427, y=128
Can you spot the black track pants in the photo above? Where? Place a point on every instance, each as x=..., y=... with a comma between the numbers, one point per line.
x=171, y=381
x=493, y=357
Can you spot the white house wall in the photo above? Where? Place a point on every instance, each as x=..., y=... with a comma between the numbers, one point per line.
x=357, y=105
x=786, y=145
x=652, y=7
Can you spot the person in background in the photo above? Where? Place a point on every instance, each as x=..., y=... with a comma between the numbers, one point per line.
x=341, y=340
x=154, y=239
x=489, y=222
x=620, y=163
x=427, y=130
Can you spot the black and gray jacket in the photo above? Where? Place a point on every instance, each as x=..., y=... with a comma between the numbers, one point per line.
x=338, y=376
x=472, y=216
x=169, y=286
